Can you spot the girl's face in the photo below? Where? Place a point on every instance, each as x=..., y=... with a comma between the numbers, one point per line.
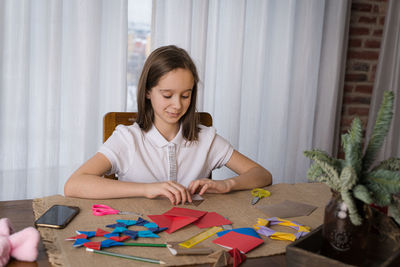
x=170, y=98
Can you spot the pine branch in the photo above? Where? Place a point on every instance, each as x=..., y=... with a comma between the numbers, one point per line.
x=388, y=180
x=391, y=164
x=315, y=171
x=380, y=196
x=361, y=192
x=323, y=156
x=331, y=174
x=348, y=178
x=355, y=218
x=380, y=130
x=352, y=145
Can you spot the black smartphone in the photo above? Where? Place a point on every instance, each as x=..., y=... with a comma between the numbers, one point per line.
x=58, y=216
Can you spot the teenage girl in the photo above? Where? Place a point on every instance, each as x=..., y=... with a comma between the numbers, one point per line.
x=166, y=152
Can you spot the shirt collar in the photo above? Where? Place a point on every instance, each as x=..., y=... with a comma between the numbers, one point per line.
x=156, y=137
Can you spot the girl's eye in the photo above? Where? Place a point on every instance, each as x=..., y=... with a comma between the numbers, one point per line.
x=185, y=96
x=166, y=96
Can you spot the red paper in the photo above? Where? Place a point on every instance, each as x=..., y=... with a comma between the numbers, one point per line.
x=211, y=219
x=244, y=243
x=93, y=245
x=238, y=257
x=119, y=238
x=183, y=212
x=176, y=218
x=101, y=232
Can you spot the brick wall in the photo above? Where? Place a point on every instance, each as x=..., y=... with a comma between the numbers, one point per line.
x=366, y=28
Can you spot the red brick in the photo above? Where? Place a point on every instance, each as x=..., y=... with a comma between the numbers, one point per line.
x=357, y=100
x=367, y=20
x=366, y=89
x=378, y=32
x=359, y=111
x=355, y=43
x=364, y=55
x=361, y=7
x=340, y=154
x=372, y=44
x=382, y=21
x=346, y=121
x=356, y=77
x=357, y=31
x=360, y=66
x=348, y=88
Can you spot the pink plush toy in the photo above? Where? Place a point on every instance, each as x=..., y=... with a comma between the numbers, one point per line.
x=21, y=245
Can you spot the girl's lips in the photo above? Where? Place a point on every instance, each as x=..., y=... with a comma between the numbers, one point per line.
x=174, y=115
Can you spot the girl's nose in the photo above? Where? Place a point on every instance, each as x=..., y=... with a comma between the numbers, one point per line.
x=177, y=102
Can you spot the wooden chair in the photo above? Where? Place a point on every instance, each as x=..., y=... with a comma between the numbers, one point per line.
x=113, y=119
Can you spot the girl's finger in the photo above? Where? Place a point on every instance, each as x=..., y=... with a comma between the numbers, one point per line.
x=203, y=189
x=170, y=196
x=188, y=196
x=176, y=190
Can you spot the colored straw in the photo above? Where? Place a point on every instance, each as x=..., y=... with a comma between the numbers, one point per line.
x=125, y=256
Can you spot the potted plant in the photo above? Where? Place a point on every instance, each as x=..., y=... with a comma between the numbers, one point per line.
x=357, y=184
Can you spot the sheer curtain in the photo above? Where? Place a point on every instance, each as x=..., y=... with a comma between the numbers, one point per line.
x=271, y=73
x=388, y=78
x=62, y=67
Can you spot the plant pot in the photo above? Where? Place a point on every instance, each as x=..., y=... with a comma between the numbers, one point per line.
x=342, y=239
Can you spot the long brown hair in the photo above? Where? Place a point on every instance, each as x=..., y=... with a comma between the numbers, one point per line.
x=160, y=62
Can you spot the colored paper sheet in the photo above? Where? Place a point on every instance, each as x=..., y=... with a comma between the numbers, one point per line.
x=244, y=243
x=211, y=219
x=183, y=212
x=287, y=209
x=244, y=231
x=177, y=218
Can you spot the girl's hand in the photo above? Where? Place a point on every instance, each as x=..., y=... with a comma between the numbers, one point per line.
x=175, y=192
x=212, y=186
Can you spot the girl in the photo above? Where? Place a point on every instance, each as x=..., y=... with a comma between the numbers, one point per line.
x=165, y=152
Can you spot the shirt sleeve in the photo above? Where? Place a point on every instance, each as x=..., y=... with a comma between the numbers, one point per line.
x=220, y=152
x=117, y=150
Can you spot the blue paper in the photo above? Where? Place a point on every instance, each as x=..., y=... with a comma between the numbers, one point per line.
x=244, y=231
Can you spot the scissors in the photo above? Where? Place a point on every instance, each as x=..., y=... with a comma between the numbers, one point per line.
x=100, y=210
x=258, y=194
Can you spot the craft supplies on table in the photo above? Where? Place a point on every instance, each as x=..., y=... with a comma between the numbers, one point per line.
x=125, y=256
x=258, y=193
x=100, y=210
x=263, y=229
x=200, y=237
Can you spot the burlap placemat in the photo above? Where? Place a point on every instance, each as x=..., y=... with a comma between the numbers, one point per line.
x=235, y=206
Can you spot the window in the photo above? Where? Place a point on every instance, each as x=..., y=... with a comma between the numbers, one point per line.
x=139, y=29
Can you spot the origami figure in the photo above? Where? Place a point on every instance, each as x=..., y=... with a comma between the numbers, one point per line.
x=22, y=245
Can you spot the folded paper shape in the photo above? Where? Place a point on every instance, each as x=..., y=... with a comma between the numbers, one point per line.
x=244, y=243
x=244, y=231
x=238, y=257
x=176, y=218
x=211, y=219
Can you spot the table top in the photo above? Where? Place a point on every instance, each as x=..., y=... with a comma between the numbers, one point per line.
x=21, y=215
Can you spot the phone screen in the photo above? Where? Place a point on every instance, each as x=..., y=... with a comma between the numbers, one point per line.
x=58, y=216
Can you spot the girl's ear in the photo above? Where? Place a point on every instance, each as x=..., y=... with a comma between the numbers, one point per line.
x=148, y=94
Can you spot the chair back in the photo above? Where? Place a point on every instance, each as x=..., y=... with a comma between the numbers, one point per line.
x=113, y=119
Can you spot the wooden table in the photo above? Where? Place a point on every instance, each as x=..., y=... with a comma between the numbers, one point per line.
x=21, y=215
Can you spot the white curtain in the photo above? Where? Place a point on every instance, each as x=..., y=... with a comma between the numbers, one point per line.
x=388, y=78
x=62, y=67
x=271, y=71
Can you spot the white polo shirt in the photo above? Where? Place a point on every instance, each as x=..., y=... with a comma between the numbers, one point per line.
x=142, y=157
